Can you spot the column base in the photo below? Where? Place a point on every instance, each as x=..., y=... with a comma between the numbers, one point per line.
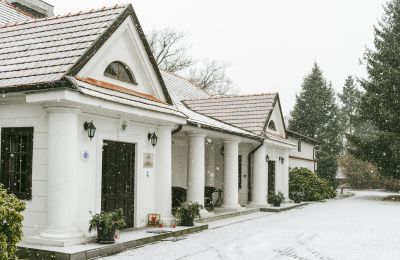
x=56, y=238
x=168, y=220
x=227, y=208
x=205, y=214
x=257, y=204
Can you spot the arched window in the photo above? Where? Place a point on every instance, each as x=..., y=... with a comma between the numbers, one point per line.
x=272, y=126
x=119, y=71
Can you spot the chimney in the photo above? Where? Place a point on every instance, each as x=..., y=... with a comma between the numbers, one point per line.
x=34, y=8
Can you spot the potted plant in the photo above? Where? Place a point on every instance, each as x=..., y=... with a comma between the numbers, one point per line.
x=187, y=212
x=297, y=196
x=276, y=198
x=106, y=224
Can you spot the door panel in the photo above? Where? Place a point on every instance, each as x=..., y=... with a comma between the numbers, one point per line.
x=118, y=189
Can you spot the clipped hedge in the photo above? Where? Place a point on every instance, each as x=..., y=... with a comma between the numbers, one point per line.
x=307, y=186
x=10, y=223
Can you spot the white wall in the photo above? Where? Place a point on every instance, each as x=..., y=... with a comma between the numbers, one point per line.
x=303, y=159
x=35, y=214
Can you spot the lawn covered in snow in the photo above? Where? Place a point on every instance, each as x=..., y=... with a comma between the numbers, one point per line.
x=360, y=227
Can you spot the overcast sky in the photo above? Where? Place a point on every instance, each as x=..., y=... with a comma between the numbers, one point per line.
x=271, y=45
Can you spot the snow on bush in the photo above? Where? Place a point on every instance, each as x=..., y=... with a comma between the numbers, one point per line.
x=309, y=185
x=10, y=223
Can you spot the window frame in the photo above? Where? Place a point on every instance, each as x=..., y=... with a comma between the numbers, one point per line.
x=272, y=125
x=127, y=69
x=4, y=157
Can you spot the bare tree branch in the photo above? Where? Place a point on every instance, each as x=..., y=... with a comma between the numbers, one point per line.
x=211, y=76
x=169, y=50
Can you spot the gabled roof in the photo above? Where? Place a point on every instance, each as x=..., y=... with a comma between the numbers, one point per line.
x=38, y=53
x=249, y=112
x=181, y=89
x=305, y=138
x=9, y=15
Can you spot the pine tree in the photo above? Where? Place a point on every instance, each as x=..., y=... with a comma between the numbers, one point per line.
x=350, y=99
x=377, y=138
x=315, y=114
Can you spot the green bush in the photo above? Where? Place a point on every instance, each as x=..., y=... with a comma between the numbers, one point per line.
x=304, y=185
x=10, y=223
x=359, y=174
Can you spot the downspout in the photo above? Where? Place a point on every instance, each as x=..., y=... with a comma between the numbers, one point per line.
x=177, y=130
x=249, y=172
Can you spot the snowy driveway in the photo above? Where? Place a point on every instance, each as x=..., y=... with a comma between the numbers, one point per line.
x=361, y=227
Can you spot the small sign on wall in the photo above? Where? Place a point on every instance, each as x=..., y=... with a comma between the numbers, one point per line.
x=148, y=160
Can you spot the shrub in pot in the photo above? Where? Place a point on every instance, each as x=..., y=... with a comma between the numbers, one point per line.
x=276, y=198
x=187, y=212
x=106, y=224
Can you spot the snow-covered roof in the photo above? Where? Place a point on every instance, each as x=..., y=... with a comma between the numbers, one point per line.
x=181, y=89
x=10, y=15
x=44, y=50
x=123, y=98
x=305, y=138
x=249, y=112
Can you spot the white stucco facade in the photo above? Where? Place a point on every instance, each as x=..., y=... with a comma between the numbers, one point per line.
x=303, y=156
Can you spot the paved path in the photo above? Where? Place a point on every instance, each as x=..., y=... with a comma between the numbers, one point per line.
x=360, y=227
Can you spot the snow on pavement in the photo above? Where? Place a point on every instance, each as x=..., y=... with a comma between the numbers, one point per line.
x=360, y=227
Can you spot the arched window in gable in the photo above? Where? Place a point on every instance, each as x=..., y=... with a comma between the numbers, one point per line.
x=271, y=125
x=119, y=71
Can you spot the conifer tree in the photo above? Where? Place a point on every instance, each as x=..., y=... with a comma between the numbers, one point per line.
x=315, y=114
x=349, y=99
x=377, y=138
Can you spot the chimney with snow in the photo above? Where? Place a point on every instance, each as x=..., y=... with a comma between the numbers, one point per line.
x=35, y=8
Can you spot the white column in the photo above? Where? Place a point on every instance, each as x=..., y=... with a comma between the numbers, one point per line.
x=196, y=167
x=210, y=165
x=260, y=178
x=62, y=184
x=231, y=181
x=285, y=176
x=164, y=174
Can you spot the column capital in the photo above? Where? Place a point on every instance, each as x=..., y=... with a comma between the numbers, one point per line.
x=166, y=127
x=193, y=134
x=62, y=109
x=231, y=141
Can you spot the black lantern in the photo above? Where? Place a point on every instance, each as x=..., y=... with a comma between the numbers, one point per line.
x=222, y=151
x=282, y=160
x=267, y=158
x=152, y=138
x=90, y=129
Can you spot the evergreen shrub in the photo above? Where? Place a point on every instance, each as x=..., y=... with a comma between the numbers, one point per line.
x=305, y=183
x=11, y=219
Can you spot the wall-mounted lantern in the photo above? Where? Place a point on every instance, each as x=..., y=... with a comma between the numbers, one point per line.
x=152, y=138
x=267, y=158
x=90, y=129
x=282, y=160
x=222, y=151
x=124, y=125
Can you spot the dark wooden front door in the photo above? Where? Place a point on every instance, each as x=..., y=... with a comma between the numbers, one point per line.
x=271, y=177
x=118, y=182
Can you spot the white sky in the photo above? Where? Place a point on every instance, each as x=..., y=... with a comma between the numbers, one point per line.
x=271, y=45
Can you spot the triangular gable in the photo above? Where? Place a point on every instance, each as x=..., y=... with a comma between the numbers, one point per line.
x=125, y=42
x=275, y=118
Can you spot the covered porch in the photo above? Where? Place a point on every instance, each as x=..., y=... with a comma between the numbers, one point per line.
x=234, y=166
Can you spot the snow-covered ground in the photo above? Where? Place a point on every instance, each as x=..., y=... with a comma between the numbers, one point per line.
x=360, y=227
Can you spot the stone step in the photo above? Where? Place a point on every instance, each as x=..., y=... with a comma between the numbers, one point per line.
x=225, y=215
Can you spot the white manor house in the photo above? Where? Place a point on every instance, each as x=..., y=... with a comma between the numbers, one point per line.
x=89, y=123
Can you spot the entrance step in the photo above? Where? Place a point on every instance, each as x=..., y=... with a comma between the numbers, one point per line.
x=283, y=207
x=128, y=240
x=218, y=215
